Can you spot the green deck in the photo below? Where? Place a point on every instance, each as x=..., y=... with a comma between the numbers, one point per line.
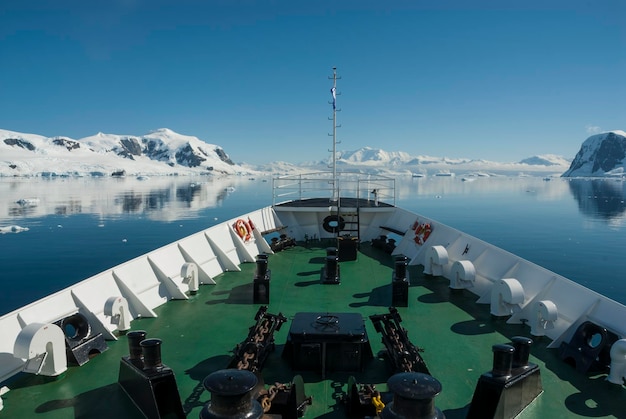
x=199, y=335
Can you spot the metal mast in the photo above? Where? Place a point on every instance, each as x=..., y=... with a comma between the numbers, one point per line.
x=334, y=93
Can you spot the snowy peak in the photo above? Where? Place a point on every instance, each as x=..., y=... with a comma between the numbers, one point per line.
x=600, y=155
x=173, y=148
x=162, y=146
x=546, y=160
x=368, y=156
x=30, y=142
x=6, y=134
x=373, y=155
x=165, y=132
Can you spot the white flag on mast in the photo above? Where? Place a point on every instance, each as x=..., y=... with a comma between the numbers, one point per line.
x=332, y=91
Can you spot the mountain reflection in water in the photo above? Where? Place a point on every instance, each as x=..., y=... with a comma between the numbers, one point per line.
x=599, y=198
x=175, y=198
x=159, y=198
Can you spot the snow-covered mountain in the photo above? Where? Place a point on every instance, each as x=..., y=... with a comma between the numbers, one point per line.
x=159, y=152
x=166, y=152
x=600, y=155
x=546, y=160
x=371, y=156
x=377, y=161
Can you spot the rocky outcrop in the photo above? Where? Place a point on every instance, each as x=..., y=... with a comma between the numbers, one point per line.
x=19, y=143
x=223, y=156
x=186, y=156
x=64, y=142
x=599, y=156
x=130, y=148
x=156, y=150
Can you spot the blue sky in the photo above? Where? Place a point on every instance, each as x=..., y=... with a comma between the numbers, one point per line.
x=498, y=80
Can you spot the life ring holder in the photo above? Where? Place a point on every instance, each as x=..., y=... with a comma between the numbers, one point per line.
x=333, y=223
x=422, y=232
x=243, y=229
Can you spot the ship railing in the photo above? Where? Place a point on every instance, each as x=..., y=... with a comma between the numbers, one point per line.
x=345, y=185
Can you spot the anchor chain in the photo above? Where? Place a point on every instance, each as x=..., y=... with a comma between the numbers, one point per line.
x=266, y=396
x=403, y=354
x=252, y=352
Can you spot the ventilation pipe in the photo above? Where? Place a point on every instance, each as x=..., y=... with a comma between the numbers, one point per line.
x=436, y=258
x=117, y=309
x=462, y=275
x=42, y=346
x=189, y=273
x=546, y=315
x=507, y=295
x=3, y=390
x=618, y=363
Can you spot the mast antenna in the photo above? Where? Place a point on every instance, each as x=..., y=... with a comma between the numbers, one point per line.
x=334, y=94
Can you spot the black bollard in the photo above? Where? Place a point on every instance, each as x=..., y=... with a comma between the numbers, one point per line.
x=522, y=351
x=413, y=397
x=134, y=348
x=261, y=265
x=231, y=395
x=148, y=382
x=510, y=386
x=261, y=281
x=400, y=283
x=151, y=351
x=330, y=271
x=400, y=267
x=502, y=360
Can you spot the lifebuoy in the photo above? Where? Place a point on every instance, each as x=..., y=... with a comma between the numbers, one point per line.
x=422, y=232
x=333, y=223
x=243, y=229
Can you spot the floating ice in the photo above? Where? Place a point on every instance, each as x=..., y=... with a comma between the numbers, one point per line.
x=12, y=229
x=28, y=202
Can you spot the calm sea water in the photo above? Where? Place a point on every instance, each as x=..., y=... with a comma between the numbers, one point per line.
x=79, y=227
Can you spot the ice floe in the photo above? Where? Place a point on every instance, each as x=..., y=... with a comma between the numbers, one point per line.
x=12, y=229
x=28, y=202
